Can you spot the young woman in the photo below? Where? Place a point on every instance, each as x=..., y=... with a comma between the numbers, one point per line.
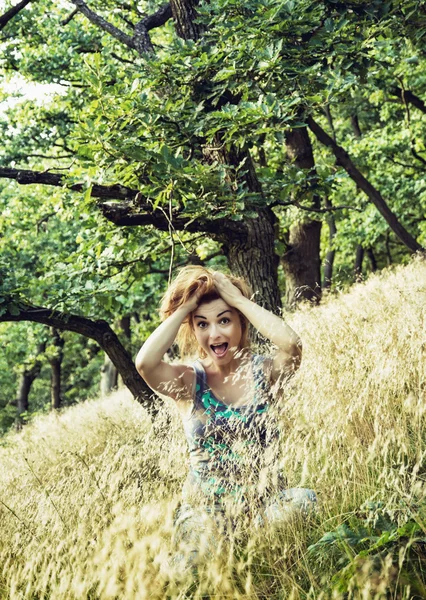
x=224, y=398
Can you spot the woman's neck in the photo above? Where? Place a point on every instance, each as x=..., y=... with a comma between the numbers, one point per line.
x=230, y=368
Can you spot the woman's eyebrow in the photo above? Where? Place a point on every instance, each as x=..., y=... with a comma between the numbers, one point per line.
x=219, y=315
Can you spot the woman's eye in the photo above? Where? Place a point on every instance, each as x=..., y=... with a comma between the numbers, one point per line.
x=201, y=325
x=225, y=321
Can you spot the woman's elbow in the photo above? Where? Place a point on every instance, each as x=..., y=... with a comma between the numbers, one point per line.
x=141, y=363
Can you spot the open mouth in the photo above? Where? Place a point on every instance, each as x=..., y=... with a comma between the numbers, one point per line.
x=219, y=349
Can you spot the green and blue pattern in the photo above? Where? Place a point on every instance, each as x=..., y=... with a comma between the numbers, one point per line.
x=227, y=444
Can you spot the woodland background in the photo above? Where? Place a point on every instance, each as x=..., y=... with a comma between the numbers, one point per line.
x=281, y=139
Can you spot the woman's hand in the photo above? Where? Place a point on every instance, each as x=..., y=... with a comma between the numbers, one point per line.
x=226, y=290
x=195, y=296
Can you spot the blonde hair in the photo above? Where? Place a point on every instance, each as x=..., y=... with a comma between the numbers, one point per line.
x=187, y=282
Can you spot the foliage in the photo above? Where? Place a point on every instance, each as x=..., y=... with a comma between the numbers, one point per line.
x=146, y=121
x=374, y=542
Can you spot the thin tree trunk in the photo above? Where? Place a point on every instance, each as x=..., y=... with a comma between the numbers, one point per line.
x=372, y=259
x=124, y=326
x=26, y=380
x=359, y=257
x=56, y=365
x=388, y=251
x=355, y=126
x=109, y=372
x=329, y=259
x=109, y=376
x=301, y=261
x=331, y=222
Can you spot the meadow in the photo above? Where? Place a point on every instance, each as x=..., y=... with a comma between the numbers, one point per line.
x=87, y=496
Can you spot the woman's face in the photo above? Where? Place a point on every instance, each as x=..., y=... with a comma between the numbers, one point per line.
x=217, y=327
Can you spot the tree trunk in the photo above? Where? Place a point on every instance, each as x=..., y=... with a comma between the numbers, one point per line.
x=109, y=372
x=359, y=257
x=372, y=259
x=56, y=364
x=124, y=326
x=355, y=126
x=253, y=257
x=109, y=376
x=250, y=253
x=388, y=251
x=301, y=264
x=27, y=378
x=25, y=383
x=329, y=259
x=184, y=16
x=301, y=261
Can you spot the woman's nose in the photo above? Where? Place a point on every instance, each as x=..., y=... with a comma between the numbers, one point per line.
x=214, y=332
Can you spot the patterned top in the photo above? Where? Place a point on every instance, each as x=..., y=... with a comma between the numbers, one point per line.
x=230, y=448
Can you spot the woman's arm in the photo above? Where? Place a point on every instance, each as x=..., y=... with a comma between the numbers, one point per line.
x=171, y=380
x=288, y=356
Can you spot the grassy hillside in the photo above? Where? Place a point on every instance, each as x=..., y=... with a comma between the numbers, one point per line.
x=87, y=496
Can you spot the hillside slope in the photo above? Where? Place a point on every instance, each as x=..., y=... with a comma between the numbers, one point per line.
x=87, y=496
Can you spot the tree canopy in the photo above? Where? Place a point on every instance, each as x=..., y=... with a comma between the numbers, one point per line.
x=281, y=139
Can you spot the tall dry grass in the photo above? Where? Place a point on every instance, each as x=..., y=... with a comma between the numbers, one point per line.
x=87, y=496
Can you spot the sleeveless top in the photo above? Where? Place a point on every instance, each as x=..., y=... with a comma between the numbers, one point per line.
x=231, y=449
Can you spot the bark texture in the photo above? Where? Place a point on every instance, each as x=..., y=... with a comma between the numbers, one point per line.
x=329, y=259
x=184, y=15
x=56, y=367
x=28, y=376
x=359, y=259
x=301, y=264
x=301, y=261
x=253, y=257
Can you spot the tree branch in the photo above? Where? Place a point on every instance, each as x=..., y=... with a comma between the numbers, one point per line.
x=70, y=17
x=12, y=12
x=129, y=214
x=408, y=97
x=104, y=24
x=27, y=177
x=316, y=210
x=132, y=211
x=141, y=36
x=406, y=165
x=99, y=331
x=417, y=155
x=343, y=159
x=140, y=41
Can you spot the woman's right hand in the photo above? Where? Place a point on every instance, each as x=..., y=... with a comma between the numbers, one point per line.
x=195, y=296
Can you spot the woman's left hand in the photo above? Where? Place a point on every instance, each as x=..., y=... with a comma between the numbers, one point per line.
x=226, y=290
